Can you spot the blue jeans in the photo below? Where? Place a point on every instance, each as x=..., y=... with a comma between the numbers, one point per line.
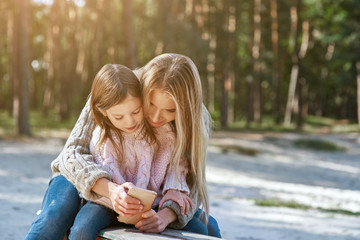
x=59, y=208
x=197, y=225
x=60, y=212
x=90, y=220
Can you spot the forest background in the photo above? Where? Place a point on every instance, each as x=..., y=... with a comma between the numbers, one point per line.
x=264, y=64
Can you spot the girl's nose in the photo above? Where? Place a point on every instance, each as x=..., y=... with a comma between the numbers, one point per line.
x=130, y=121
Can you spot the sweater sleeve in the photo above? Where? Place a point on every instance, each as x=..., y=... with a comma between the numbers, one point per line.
x=177, y=179
x=76, y=162
x=182, y=220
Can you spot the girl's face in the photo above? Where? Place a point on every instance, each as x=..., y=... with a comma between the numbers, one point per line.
x=126, y=116
x=162, y=108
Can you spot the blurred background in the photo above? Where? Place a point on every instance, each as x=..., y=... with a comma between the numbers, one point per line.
x=264, y=64
x=281, y=79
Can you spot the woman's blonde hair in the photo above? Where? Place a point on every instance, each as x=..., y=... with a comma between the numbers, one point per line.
x=178, y=76
x=112, y=84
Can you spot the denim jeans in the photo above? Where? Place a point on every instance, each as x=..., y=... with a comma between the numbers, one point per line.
x=59, y=208
x=90, y=220
x=197, y=225
x=60, y=212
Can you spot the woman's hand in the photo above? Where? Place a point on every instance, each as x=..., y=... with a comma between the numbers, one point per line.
x=181, y=198
x=155, y=222
x=123, y=204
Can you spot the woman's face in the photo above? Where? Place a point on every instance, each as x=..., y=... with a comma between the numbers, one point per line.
x=162, y=108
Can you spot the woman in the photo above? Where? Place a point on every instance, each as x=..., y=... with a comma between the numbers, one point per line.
x=172, y=94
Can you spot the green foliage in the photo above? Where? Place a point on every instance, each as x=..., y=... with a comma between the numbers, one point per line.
x=312, y=124
x=340, y=211
x=186, y=27
x=317, y=144
x=38, y=123
x=279, y=203
x=295, y=205
x=238, y=149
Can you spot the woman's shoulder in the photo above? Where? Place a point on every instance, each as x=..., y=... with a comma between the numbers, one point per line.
x=96, y=134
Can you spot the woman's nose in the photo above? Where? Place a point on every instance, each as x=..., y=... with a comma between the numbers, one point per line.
x=156, y=116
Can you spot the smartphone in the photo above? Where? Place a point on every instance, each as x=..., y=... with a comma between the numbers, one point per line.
x=146, y=197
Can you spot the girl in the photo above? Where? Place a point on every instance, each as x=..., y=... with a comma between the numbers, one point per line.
x=126, y=146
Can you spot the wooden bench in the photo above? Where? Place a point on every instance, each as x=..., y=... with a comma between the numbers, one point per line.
x=134, y=234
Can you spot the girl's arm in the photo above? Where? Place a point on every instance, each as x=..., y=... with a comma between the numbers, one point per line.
x=122, y=203
x=76, y=162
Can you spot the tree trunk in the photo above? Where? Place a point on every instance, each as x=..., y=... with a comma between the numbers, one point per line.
x=11, y=53
x=275, y=61
x=321, y=98
x=301, y=94
x=210, y=99
x=256, y=61
x=130, y=54
x=209, y=35
x=222, y=62
x=49, y=77
x=295, y=66
x=231, y=23
x=21, y=96
x=69, y=88
x=250, y=77
x=358, y=89
x=224, y=98
x=99, y=35
x=302, y=83
x=237, y=92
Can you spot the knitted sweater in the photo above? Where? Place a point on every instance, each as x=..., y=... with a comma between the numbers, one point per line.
x=76, y=164
x=142, y=163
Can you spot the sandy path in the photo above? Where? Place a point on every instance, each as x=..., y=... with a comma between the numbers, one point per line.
x=279, y=171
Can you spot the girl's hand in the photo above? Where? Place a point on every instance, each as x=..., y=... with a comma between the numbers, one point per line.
x=181, y=198
x=123, y=204
x=155, y=222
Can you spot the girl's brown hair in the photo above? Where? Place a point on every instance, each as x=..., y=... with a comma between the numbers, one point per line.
x=111, y=86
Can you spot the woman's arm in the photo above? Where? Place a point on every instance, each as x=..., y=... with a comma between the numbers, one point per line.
x=155, y=222
x=168, y=215
x=76, y=162
x=182, y=220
